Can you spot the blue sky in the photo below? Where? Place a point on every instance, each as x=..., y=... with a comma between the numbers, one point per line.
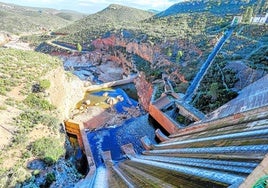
x=92, y=6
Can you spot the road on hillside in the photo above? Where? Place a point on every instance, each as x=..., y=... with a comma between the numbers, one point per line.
x=61, y=45
x=203, y=70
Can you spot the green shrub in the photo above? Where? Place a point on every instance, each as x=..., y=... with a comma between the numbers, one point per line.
x=3, y=107
x=79, y=47
x=19, y=138
x=49, y=120
x=48, y=149
x=35, y=101
x=10, y=102
x=3, y=91
x=182, y=87
x=44, y=84
x=50, y=178
x=31, y=118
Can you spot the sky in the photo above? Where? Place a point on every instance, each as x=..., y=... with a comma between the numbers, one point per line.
x=93, y=6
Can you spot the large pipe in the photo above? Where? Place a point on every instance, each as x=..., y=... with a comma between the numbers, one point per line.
x=191, y=171
x=240, y=167
x=245, y=134
x=259, y=149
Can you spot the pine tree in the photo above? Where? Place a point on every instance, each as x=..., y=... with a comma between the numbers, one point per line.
x=248, y=14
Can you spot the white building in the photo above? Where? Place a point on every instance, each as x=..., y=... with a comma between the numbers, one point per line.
x=259, y=19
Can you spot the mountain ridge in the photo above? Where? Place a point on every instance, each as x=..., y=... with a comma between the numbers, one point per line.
x=18, y=19
x=218, y=7
x=111, y=17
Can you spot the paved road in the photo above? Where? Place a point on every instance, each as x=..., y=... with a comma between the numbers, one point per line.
x=203, y=70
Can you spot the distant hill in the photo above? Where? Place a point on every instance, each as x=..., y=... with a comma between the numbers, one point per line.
x=112, y=15
x=218, y=7
x=19, y=19
x=154, y=11
x=70, y=15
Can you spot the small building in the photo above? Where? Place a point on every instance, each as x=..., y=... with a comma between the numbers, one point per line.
x=259, y=19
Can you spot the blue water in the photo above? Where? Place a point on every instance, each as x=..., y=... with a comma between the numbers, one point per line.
x=119, y=106
x=111, y=139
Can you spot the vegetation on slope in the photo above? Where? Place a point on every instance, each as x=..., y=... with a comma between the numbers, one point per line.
x=182, y=26
x=175, y=36
x=20, y=73
x=248, y=46
x=18, y=19
x=217, y=7
x=98, y=24
x=70, y=15
x=111, y=15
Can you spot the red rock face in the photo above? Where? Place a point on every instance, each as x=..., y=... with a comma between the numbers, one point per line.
x=145, y=51
x=177, y=75
x=144, y=89
x=104, y=43
x=114, y=49
x=56, y=53
x=122, y=61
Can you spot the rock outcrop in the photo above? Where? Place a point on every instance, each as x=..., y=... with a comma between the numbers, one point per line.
x=64, y=91
x=145, y=90
x=4, y=37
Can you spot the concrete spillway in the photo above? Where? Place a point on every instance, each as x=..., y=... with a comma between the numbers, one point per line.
x=214, y=152
x=218, y=166
x=111, y=139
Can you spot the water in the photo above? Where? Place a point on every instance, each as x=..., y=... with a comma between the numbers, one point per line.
x=120, y=105
x=101, y=178
x=111, y=139
x=130, y=90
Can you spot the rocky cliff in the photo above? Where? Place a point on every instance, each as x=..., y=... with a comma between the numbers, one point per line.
x=65, y=91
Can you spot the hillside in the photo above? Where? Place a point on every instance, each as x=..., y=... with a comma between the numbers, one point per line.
x=178, y=45
x=157, y=29
x=110, y=18
x=218, y=7
x=30, y=113
x=19, y=19
x=70, y=15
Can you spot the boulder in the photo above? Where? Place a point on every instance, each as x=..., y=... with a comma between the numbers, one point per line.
x=111, y=101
